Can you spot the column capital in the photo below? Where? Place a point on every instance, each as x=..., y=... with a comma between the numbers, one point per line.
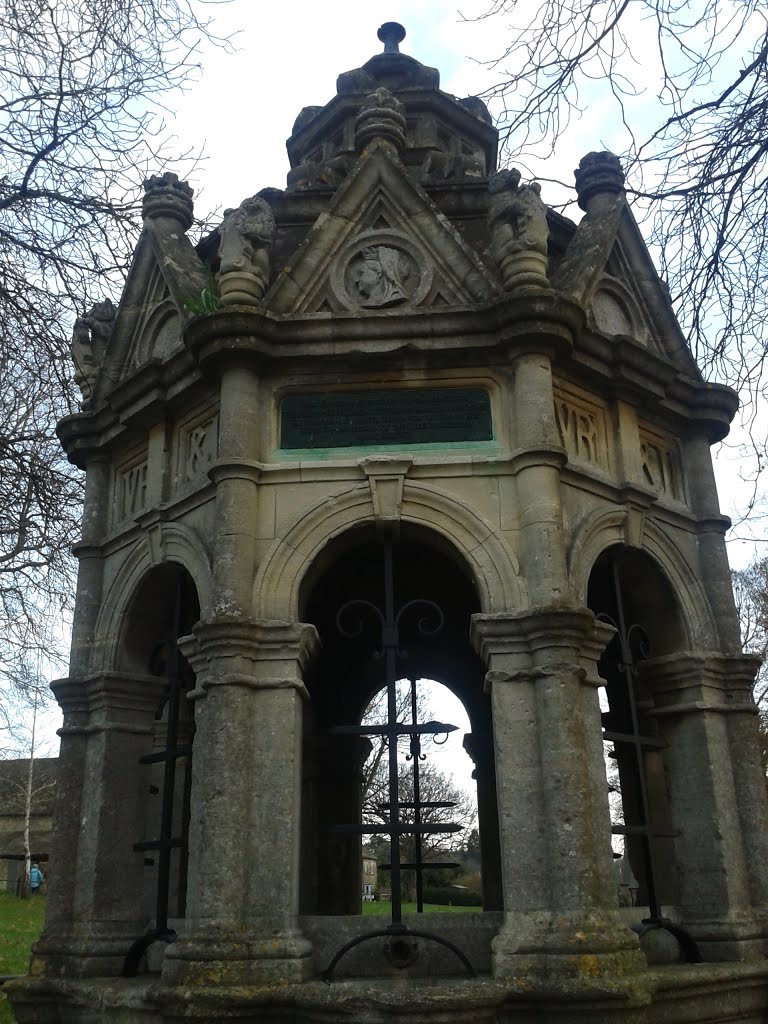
x=112, y=693
x=257, y=654
x=541, y=643
x=707, y=681
x=538, y=630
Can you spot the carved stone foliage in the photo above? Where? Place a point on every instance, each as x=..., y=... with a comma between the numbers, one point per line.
x=380, y=270
x=661, y=465
x=198, y=445
x=582, y=428
x=131, y=490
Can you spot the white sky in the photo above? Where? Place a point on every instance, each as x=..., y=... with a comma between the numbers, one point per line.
x=288, y=56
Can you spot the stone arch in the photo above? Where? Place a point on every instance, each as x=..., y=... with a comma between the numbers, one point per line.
x=162, y=332
x=602, y=530
x=493, y=565
x=167, y=542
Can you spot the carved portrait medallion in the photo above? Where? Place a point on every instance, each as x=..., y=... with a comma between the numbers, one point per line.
x=380, y=270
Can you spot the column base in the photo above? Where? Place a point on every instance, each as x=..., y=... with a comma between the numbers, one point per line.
x=548, y=948
x=93, y=954
x=205, y=959
x=721, y=940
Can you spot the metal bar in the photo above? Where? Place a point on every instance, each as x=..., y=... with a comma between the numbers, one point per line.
x=415, y=755
x=425, y=866
x=642, y=830
x=167, y=755
x=423, y=803
x=397, y=827
x=159, y=844
x=390, y=644
x=432, y=728
x=389, y=933
x=627, y=737
x=628, y=664
x=169, y=771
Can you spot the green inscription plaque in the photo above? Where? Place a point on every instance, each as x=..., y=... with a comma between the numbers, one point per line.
x=352, y=419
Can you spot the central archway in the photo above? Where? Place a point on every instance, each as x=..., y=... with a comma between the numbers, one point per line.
x=349, y=672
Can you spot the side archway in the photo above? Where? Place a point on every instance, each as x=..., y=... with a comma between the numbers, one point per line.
x=603, y=530
x=174, y=544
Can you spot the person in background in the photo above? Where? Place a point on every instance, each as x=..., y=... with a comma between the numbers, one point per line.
x=35, y=879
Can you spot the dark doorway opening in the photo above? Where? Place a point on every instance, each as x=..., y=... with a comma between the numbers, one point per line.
x=347, y=675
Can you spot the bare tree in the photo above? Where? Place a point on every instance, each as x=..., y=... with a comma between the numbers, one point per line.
x=82, y=88
x=27, y=696
x=750, y=589
x=693, y=77
x=450, y=804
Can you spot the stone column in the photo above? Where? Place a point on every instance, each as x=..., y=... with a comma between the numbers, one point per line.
x=537, y=479
x=711, y=529
x=96, y=906
x=242, y=896
x=338, y=789
x=479, y=746
x=236, y=476
x=749, y=782
x=715, y=791
x=73, y=696
x=89, y=575
x=561, y=919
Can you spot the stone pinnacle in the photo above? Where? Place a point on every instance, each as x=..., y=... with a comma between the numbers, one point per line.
x=391, y=34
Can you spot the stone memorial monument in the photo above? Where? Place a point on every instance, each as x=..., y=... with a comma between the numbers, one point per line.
x=400, y=419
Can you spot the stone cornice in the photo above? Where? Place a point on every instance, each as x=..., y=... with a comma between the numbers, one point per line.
x=628, y=370
x=539, y=320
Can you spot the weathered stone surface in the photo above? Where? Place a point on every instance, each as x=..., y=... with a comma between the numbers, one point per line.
x=396, y=268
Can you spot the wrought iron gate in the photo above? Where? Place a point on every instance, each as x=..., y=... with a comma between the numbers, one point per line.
x=619, y=666
x=171, y=752
x=429, y=622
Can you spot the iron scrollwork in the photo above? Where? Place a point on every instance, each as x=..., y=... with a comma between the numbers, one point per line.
x=400, y=948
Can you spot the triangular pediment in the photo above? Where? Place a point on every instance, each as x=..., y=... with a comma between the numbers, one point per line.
x=166, y=275
x=608, y=269
x=382, y=245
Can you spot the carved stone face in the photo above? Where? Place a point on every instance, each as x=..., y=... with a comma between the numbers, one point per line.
x=380, y=276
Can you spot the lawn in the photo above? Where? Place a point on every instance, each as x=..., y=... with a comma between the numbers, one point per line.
x=21, y=921
x=379, y=907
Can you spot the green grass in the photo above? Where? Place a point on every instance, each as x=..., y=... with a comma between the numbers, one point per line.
x=379, y=907
x=21, y=921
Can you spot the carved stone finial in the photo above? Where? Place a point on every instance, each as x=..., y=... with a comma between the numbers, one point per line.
x=598, y=174
x=391, y=33
x=166, y=196
x=381, y=116
x=246, y=235
x=90, y=337
x=517, y=220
